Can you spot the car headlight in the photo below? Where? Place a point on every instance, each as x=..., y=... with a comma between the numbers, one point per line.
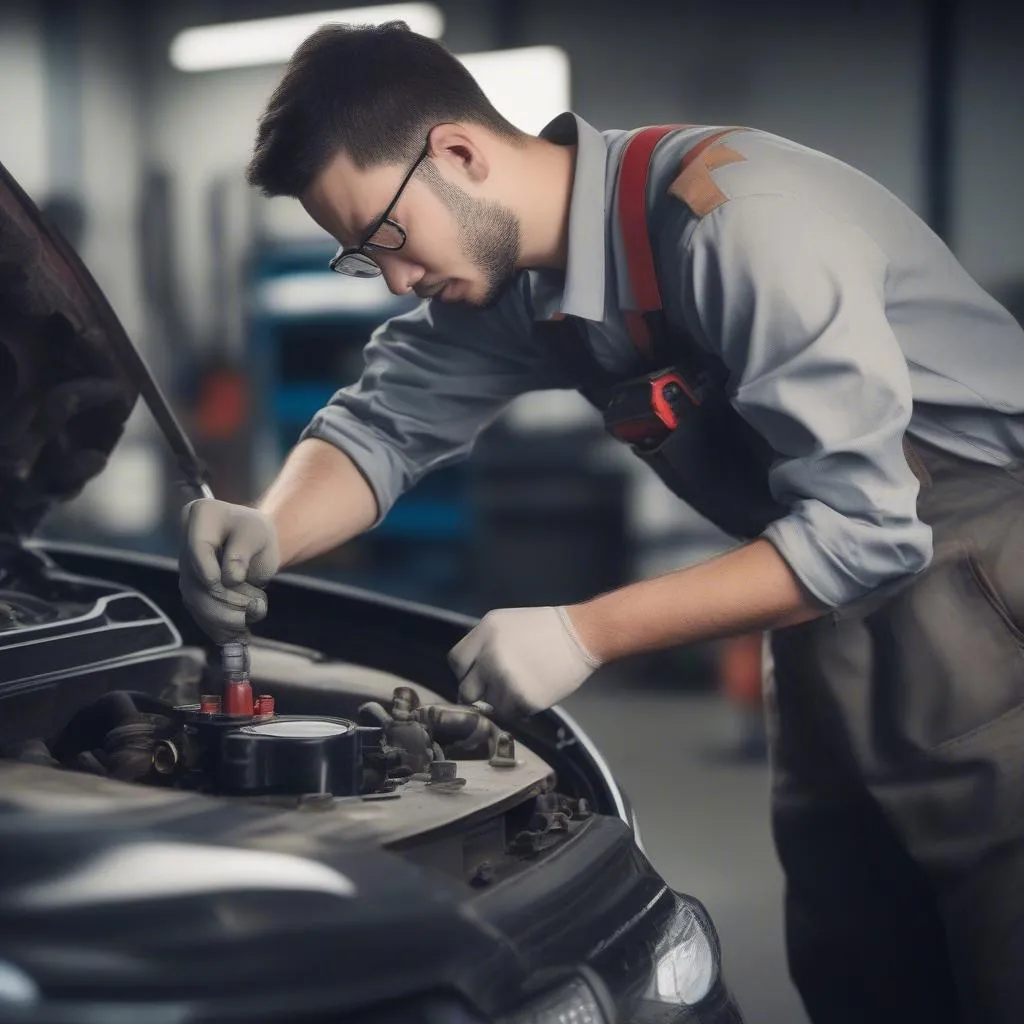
x=685, y=959
x=582, y=999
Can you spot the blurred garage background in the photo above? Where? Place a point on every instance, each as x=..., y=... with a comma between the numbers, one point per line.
x=131, y=123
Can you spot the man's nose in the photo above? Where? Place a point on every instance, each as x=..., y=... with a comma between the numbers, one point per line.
x=400, y=274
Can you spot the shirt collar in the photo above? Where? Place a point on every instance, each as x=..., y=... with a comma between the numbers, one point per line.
x=584, y=279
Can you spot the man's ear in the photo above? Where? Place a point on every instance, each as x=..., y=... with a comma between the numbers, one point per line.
x=458, y=147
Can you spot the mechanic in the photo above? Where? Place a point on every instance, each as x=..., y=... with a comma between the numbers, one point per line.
x=860, y=397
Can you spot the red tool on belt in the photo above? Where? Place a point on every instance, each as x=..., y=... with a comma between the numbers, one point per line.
x=645, y=410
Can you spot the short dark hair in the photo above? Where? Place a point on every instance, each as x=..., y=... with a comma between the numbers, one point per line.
x=371, y=91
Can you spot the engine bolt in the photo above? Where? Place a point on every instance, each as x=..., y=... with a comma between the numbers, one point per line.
x=442, y=771
x=165, y=757
x=504, y=754
x=483, y=875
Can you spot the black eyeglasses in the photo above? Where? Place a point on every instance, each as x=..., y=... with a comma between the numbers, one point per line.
x=384, y=233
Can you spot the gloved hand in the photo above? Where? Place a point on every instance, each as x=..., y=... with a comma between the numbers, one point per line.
x=228, y=554
x=521, y=660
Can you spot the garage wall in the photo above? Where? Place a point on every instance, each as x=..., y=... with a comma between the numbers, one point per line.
x=112, y=115
x=22, y=86
x=988, y=208
x=103, y=168
x=82, y=65
x=844, y=76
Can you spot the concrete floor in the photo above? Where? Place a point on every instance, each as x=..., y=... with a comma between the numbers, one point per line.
x=704, y=824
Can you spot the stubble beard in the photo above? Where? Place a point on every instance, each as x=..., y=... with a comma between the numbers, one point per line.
x=489, y=235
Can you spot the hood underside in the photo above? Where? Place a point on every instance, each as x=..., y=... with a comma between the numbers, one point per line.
x=64, y=396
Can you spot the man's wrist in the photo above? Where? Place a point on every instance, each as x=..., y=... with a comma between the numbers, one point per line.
x=595, y=630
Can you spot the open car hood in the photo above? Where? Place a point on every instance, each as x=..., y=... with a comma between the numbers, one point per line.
x=64, y=398
x=69, y=375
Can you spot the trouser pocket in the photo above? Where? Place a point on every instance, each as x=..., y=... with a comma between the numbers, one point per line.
x=948, y=652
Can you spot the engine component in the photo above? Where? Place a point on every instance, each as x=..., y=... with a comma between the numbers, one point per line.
x=292, y=755
x=422, y=733
x=443, y=771
x=215, y=747
x=503, y=754
x=237, y=697
x=234, y=744
x=462, y=732
x=166, y=757
x=550, y=819
x=443, y=777
x=116, y=736
x=404, y=741
x=266, y=753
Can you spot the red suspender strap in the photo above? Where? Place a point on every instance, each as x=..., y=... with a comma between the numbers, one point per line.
x=633, y=220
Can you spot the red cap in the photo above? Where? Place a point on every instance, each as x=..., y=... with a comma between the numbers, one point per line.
x=210, y=704
x=238, y=698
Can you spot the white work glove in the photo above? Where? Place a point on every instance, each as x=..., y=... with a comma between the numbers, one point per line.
x=521, y=660
x=228, y=555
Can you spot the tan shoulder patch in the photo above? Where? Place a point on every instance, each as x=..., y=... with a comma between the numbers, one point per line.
x=696, y=187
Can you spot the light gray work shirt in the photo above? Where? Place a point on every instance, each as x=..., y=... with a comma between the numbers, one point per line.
x=843, y=319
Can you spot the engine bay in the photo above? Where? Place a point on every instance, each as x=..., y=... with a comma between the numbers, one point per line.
x=103, y=707
x=136, y=737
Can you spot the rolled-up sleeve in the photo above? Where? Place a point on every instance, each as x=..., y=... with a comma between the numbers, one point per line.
x=794, y=301
x=433, y=379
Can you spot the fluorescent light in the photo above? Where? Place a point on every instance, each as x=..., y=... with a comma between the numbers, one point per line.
x=239, y=44
x=529, y=85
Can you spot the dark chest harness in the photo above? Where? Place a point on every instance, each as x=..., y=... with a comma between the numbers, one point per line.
x=676, y=415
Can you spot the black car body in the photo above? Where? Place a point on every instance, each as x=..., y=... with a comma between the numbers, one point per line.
x=366, y=851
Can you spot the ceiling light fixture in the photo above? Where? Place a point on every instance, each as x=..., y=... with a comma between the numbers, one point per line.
x=273, y=40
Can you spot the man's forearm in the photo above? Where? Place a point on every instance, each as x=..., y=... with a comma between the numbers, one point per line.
x=318, y=501
x=745, y=590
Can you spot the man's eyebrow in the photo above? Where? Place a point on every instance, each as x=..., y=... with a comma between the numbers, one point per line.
x=353, y=239
x=373, y=222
